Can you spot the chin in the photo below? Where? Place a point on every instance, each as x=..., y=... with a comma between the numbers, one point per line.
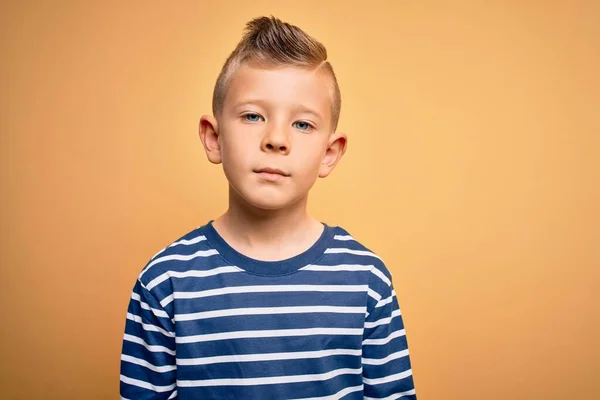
x=265, y=198
x=267, y=202
x=268, y=197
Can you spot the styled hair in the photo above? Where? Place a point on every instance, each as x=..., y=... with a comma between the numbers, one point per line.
x=272, y=42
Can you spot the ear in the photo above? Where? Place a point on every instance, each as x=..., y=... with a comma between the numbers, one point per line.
x=209, y=135
x=336, y=148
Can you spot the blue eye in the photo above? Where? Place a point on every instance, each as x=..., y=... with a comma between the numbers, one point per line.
x=303, y=126
x=252, y=117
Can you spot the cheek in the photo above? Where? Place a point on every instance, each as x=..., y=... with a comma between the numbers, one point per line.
x=234, y=149
x=313, y=154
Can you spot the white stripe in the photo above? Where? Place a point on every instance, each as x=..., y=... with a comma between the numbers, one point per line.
x=232, y=312
x=180, y=257
x=157, y=253
x=394, y=396
x=173, y=395
x=191, y=274
x=338, y=250
x=349, y=267
x=151, y=347
x=381, y=361
x=270, y=288
x=167, y=300
x=386, y=300
x=144, y=363
x=343, y=237
x=146, y=385
x=267, y=333
x=268, y=356
x=270, y=379
x=149, y=327
x=389, y=378
x=381, y=276
x=376, y=296
x=145, y=306
x=339, y=267
x=337, y=395
x=185, y=242
x=383, y=321
x=385, y=340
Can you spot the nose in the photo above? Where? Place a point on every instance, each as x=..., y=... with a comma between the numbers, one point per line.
x=276, y=140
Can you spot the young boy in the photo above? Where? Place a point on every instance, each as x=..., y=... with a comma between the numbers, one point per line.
x=265, y=302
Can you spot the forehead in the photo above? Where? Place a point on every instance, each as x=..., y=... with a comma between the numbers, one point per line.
x=286, y=86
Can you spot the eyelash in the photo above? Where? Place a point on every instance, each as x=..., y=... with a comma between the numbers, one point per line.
x=310, y=126
x=247, y=114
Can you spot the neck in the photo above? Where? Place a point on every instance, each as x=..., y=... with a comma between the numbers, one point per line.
x=249, y=227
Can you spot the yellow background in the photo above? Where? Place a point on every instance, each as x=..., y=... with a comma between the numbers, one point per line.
x=472, y=169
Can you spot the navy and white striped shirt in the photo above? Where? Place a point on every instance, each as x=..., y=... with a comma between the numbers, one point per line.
x=206, y=322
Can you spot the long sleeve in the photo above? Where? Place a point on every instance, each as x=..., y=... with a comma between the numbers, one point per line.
x=387, y=372
x=148, y=368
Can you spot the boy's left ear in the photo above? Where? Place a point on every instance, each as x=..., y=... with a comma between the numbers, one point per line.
x=335, y=150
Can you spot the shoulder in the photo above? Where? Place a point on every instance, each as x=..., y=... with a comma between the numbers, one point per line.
x=379, y=278
x=176, y=258
x=352, y=251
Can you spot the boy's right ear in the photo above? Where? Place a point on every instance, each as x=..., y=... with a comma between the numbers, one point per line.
x=209, y=135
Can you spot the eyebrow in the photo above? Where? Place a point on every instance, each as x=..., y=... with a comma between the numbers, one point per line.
x=259, y=102
x=263, y=103
x=307, y=110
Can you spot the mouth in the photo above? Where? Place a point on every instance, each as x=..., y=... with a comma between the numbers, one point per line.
x=271, y=171
x=271, y=174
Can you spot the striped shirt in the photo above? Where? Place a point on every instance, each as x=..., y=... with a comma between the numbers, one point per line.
x=206, y=322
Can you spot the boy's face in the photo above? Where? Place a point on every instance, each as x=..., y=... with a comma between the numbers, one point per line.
x=273, y=135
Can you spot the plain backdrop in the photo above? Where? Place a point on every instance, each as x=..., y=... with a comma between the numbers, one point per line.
x=472, y=169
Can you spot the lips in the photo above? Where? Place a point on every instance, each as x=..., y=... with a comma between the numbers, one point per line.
x=271, y=174
x=272, y=171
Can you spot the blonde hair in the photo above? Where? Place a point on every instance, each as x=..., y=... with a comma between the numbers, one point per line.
x=271, y=42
